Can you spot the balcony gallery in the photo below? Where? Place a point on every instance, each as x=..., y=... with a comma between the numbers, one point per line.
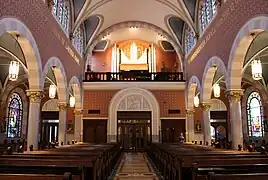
x=136, y=62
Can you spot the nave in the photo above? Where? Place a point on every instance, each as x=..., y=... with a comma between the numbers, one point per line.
x=135, y=166
x=167, y=161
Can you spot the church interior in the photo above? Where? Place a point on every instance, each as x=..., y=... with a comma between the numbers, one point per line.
x=144, y=89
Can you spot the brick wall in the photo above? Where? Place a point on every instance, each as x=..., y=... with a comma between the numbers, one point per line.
x=37, y=17
x=220, y=44
x=101, y=100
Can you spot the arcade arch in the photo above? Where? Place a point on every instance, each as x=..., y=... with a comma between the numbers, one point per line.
x=29, y=47
x=133, y=99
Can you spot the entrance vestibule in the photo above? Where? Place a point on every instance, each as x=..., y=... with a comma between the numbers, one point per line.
x=134, y=129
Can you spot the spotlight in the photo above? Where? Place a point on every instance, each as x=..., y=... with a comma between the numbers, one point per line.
x=20, y=149
x=263, y=150
x=9, y=150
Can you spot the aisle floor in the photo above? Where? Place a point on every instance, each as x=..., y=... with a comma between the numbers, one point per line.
x=135, y=166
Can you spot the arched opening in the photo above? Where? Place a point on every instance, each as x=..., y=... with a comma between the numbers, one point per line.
x=194, y=120
x=250, y=48
x=214, y=85
x=134, y=101
x=49, y=122
x=54, y=75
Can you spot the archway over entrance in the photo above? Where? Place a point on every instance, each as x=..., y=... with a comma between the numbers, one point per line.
x=133, y=99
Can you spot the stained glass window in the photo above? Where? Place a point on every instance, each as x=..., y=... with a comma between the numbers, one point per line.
x=78, y=40
x=14, y=116
x=61, y=11
x=208, y=9
x=254, y=114
x=189, y=39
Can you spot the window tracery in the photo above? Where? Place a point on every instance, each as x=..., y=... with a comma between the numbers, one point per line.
x=61, y=11
x=189, y=39
x=254, y=114
x=78, y=40
x=208, y=9
x=14, y=116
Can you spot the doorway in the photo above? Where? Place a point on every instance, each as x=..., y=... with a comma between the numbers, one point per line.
x=134, y=130
x=49, y=127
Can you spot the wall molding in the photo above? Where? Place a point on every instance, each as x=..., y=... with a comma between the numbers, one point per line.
x=142, y=85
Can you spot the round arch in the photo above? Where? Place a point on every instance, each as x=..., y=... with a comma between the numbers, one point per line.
x=138, y=24
x=75, y=85
x=29, y=48
x=193, y=85
x=147, y=102
x=239, y=49
x=217, y=105
x=60, y=76
x=214, y=64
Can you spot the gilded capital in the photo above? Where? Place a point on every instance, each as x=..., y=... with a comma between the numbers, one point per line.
x=78, y=112
x=35, y=96
x=189, y=112
x=63, y=106
x=205, y=106
x=234, y=95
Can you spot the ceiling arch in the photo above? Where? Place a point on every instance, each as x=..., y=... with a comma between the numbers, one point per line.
x=136, y=24
x=151, y=11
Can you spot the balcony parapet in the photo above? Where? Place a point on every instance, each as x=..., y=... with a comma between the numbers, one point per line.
x=134, y=76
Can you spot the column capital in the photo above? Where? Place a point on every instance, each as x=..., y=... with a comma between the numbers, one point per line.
x=35, y=95
x=189, y=112
x=205, y=106
x=234, y=95
x=78, y=112
x=63, y=106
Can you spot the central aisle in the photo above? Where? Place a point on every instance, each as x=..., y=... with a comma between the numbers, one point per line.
x=135, y=166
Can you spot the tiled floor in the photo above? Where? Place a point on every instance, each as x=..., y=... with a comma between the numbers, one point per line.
x=135, y=166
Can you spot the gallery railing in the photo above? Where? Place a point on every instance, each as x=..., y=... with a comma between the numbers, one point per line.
x=133, y=76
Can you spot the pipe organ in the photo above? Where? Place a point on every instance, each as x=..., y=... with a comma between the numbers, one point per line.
x=133, y=57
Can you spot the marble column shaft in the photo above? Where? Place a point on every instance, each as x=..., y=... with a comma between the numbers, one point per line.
x=78, y=125
x=234, y=97
x=206, y=122
x=62, y=122
x=190, y=125
x=33, y=118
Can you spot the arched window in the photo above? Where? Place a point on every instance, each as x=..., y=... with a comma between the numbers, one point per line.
x=208, y=9
x=14, y=116
x=61, y=11
x=189, y=39
x=254, y=114
x=78, y=40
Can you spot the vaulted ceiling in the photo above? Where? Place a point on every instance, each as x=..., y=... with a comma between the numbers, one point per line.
x=100, y=17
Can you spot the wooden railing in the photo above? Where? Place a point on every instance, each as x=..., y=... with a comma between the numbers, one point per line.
x=133, y=76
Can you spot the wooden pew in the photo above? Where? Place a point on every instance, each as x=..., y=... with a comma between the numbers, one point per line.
x=90, y=163
x=181, y=162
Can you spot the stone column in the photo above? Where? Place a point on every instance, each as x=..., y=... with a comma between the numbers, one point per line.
x=78, y=125
x=234, y=97
x=206, y=122
x=190, y=125
x=33, y=118
x=63, y=107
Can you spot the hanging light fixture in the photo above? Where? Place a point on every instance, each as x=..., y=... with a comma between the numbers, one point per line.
x=72, y=101
x=196, y=101
x=256, y=69
x=217, y=90
x=52, y=91
x=14, y=68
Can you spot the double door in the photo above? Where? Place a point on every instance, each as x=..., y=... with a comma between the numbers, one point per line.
x=134, y=134
x=49, y=132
